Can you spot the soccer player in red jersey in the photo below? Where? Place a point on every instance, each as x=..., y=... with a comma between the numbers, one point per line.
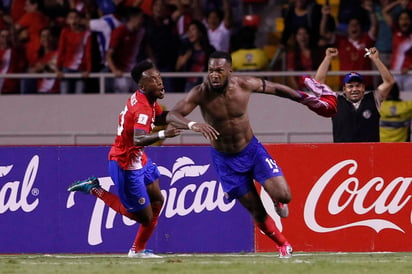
x=134, y=174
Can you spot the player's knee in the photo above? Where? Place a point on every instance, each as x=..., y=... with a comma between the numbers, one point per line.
x=285, y=197
x=145, y=220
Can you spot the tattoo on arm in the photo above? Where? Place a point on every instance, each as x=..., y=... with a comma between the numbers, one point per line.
x=263, y=86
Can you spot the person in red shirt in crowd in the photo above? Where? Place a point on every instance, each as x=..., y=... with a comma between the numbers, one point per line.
x=145, y=5
x=124, y=49
x=33, y=20
x=401, y=60
x=352, y=45
x=17, y=9
x=133, y=172
x=46, y=62
x=12, y=60
x=74, y=54
x=302, y=56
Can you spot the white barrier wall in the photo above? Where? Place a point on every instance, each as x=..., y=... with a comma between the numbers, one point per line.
x=92, y=119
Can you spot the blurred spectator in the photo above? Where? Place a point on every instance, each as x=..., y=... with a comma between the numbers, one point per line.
x=124, y=50
x=107, y=6
x=395, y=7
x=163, y=40
x=307, y=14
x=302, y=57
x=384, y=35
x=46, y=62
x=194, y=53
x=248, y=57
x=5, y=6
x=396, y=116
x=401, y=46
x=74, y=54
x=12, y=60
x=56, y=11
x=144, y=5
x=218, y=24
x=352, y=45
x=17, y=9
x=102, y=28
x=188, y=12
x=86, y=8
x=6, y=21
x=349, y=9
x=33, y=20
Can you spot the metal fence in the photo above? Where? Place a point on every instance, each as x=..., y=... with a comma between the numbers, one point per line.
x=267, y=74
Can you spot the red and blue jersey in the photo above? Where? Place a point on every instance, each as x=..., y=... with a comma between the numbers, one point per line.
x=138, y=113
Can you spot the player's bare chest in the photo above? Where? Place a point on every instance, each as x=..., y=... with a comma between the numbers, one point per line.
x=230, y=104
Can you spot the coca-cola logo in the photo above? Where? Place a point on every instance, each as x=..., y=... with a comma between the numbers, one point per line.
x=391, y=198
x=193, y=198
x=14, y=195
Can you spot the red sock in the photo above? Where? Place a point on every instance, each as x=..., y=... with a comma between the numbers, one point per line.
x=112, y=201
x=269, y=228
x=145, y=231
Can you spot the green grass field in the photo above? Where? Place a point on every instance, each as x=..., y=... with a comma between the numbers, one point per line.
x=319, y=263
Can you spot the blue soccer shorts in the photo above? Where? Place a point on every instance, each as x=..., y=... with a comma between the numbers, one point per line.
x=237, y=171
x=131, y=184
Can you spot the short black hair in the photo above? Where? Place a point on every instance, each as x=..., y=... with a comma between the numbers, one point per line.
x=221, y=55
x=139, y=68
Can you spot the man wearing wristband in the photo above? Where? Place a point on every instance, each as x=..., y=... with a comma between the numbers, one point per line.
x=238, y=157
x=134, y=174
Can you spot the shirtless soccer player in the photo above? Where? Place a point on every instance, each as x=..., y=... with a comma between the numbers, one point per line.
x=238, y=157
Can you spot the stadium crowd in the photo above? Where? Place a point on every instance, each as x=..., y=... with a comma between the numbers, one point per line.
x=84, y=36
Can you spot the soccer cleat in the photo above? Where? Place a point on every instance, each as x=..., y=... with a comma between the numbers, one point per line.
x=145, y=254
x=85, y=186
x=281, y=209
x=285, y=251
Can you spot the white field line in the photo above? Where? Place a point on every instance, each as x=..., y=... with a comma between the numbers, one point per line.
x=298, y=258
x=171, y=255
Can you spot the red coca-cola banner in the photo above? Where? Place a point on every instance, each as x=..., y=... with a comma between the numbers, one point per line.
x=346, y=197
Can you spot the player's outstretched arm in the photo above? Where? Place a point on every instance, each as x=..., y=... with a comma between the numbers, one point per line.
x=323, y=101
x=141, y=138
x=184, y=107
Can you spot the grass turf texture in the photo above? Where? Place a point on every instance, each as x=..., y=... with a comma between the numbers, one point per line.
x=319, y=263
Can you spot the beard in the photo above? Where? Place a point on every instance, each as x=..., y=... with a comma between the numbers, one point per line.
x=219, y=89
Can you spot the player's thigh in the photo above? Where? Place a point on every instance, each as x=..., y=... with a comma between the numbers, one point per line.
x=252, y=202
x=153, y=190
x=278, y=189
